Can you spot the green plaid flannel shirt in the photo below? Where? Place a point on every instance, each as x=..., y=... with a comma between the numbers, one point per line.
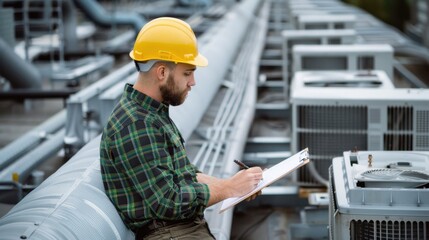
x=146, y=172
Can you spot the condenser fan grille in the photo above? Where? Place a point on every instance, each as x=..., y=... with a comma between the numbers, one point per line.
x=392, y=174
x=386, y=177
x=384, y=230
x=382, y=174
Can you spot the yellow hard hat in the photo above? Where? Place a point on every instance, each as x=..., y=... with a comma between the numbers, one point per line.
x=167, y=39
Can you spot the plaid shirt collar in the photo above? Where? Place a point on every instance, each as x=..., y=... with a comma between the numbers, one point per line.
x=144, y=100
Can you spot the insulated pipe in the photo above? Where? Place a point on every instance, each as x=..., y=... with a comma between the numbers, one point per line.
x=94, y=11
x=223, y=42
x=19, y=73
x=70, y=204
x=221, y=225
x=236, y=113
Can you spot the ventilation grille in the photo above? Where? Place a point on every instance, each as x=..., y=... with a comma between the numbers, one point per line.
x=422, y=121
x=395, y=174
x=422, y=130
x=390, y=178
x=384, y=230
x=328, y=131
x=400, y=118
x=333, y=117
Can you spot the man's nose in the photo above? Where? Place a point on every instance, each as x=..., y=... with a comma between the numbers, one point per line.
x=192, y=81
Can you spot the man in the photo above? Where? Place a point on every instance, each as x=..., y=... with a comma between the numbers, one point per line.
x=158, y=193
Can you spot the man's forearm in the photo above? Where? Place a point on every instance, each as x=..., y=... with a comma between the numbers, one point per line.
x=218, y=187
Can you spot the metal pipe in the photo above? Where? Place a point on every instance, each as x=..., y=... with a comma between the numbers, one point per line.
x=69, y=23
x=20, y=146
x=24, y=165
x=19, y=73
x=238, y=109
x=226, y=35
x=22, y=94
x=94, y=11
x=70, y=204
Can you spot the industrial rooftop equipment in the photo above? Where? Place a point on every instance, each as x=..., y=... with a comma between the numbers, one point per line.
x=379, y=195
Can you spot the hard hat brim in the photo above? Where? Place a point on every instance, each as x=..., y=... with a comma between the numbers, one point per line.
x=200, y=61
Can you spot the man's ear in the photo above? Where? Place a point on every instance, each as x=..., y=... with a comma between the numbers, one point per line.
x=162, y=72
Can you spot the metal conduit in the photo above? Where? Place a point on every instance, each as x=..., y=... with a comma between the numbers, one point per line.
x=233, y=98
x=239, y=107
x=24, y=165
x=17, y=148
x=231, y=103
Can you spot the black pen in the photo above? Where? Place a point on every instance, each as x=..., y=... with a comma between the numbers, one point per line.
x=241, y=164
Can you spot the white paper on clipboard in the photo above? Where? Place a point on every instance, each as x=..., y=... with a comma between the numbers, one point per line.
x=271, y=175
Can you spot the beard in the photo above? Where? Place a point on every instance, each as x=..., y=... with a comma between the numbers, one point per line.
x=171, y=95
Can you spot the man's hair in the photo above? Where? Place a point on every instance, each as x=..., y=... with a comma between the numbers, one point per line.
x=148, y=65
x=170, y=65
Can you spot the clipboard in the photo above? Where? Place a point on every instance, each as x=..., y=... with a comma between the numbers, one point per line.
x=271, y=175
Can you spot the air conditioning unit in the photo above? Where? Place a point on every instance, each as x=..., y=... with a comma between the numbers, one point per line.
x=343, y=57
x=328, y=21
x=340, y=80
x=291, y=38
x=316, y=8
x=331, y=120
x=379, y=195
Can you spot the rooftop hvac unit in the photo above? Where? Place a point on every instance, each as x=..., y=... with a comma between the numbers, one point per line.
x=340, y=80
x=299, y=8
x=343, y=57
x=328, y=21
x=311, y=37
x=387, y=200
x=331, y=120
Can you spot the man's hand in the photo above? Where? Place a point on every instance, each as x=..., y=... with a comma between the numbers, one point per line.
x=241, y=183
x=244, y=181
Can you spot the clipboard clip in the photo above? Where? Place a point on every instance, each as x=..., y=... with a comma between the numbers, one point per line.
x=303, y=155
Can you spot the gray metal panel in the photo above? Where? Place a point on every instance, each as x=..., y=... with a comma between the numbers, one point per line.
x=353, y=55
